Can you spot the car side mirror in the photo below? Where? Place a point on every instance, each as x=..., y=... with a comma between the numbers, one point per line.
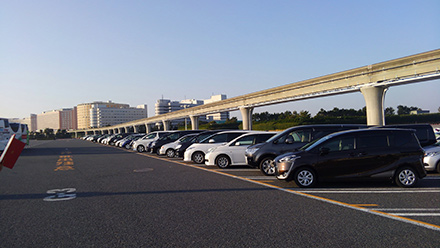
x=237, y=143
x=324, y=151
x=211, y=141
x=289, y=140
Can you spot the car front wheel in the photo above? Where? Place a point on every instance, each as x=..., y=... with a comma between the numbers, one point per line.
x=267, y=166
x=198, y=157
x=171, y=153
x=222, y=161
x=406, y=177
x=141, y=149
x=305, y=178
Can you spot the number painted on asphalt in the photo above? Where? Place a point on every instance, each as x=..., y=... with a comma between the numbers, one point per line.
x=61, y=194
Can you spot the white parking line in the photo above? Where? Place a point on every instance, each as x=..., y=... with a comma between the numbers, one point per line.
x=405, y=209
x=369, y=191
x=431, y=178
x=417, y=214
x=261, y=178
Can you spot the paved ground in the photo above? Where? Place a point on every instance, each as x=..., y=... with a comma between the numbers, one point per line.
x=73, y=193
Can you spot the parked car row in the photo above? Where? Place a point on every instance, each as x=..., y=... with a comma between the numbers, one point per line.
x=304, y=154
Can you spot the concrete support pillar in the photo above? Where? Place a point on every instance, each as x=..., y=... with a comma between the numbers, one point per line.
x=127, y=129
x=147, y=128
x=166, y=125
x=194, y=122
x=374, y=98
x=246, y=114
x=135, y=129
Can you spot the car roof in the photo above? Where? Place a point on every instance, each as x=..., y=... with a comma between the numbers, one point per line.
x=371, y=129
x=253, y=133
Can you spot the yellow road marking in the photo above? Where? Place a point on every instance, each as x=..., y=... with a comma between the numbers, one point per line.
x=64, y=162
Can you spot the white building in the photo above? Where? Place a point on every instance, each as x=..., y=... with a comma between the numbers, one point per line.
x=60, y=119
x=104, y=114
x=223, y=116
x=164, y=106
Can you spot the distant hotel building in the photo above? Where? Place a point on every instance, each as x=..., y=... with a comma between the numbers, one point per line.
x=60, y=119
x=164, y=106
x=102, y=114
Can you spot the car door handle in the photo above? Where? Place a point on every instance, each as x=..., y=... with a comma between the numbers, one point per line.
x=358, y=154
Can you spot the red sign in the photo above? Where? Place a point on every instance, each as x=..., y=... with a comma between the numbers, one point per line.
x=12, y=152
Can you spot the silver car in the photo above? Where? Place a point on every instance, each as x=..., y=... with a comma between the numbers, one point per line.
x=431, y=160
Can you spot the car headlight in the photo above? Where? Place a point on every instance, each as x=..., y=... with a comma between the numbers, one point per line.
x=251, y=150
x=288, y=159
x=178, y=146
x=189, y=148
x=211, y=149
x=431, y=154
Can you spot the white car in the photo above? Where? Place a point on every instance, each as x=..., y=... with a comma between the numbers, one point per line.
x=170, y=148
x=141, y=145
x=121, y=142
x=196, y=152
x=431, y=160
x=232, y=153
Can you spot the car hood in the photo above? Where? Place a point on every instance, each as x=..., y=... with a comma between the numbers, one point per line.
x=297, y=153
x=257, y=146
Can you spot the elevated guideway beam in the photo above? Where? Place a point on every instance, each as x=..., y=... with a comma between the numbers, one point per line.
x=411, y=69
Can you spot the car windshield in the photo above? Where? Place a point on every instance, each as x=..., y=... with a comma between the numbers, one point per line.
x=275, y=137
x=150, y=136
x=186, y=138
x=315, y=143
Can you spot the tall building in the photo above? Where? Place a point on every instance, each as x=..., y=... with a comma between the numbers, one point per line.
x=222, y=116
x=83, y=111
x=102, y=114
x=60, y=119
x=163, y=106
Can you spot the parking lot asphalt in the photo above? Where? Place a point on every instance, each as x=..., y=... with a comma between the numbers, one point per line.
x=71, y=193
x=383, y=198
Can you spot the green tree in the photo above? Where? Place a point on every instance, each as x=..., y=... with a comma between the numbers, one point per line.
x=389, y=111
x=405, y=110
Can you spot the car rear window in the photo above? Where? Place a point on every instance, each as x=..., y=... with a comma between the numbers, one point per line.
x=405, y=139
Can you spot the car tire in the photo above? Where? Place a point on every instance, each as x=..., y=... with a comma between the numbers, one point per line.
x=438, y=167
x=140, y=148
x=305, y=177
x=127, y=146
x=223, y=161
x=198, y=157
x=406, y=177
x=267, y=167
x=170, y=153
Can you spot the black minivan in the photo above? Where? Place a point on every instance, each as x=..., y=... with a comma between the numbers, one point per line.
x=262, y=155
x=373, y=153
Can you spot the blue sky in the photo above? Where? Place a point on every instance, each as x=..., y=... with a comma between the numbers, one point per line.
x=56, y=54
